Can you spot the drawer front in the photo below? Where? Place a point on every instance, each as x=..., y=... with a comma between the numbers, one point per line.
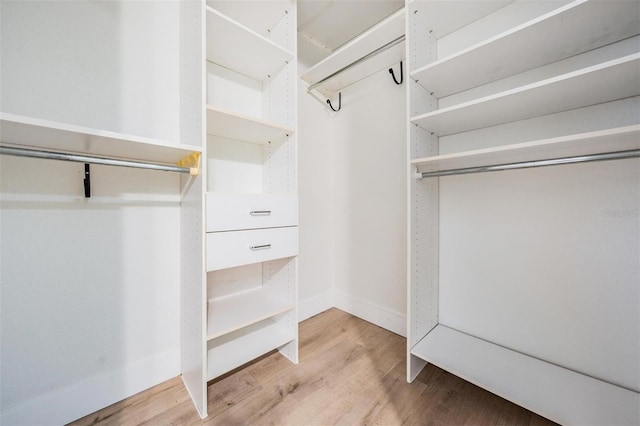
x=237, y=248
x=228, y=212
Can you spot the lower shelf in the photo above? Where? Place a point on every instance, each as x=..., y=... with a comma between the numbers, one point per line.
x=231, y=313
x=557, y=393
x=234, y=349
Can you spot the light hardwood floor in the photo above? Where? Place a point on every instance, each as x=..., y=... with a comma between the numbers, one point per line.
x=351, y=372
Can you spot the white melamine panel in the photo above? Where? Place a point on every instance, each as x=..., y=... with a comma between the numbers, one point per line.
x=568, y=91
x=227, y=212
x=192, y=265
x=41, y=134
x=553, y=36
x=611, y=140
x=382, y=33
x=547, y=262
x=236, y=248
x=439, y=18
x=234, y=166
x=230, y=91
x=534, y=384
x=230, y=313
x=264, y=14
x=245, y=128
x=260, y=57
x=232, y=350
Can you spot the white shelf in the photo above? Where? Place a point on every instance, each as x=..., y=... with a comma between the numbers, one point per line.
x=244, y=128
x=569, y=30
x=259, y=57
x=377, y=36
x=31, y=132
x=264, y=15
x=528, y=381
x=568, y=91
x=231, y=313
x=440, y=18
x=232, y=350
x=610, y=140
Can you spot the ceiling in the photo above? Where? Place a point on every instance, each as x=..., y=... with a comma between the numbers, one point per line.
x=325, y=25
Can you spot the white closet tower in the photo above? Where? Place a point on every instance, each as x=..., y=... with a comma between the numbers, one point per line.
x=526, y=282
x=248, y=303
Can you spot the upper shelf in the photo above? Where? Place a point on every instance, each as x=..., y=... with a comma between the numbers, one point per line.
x=264, y=15
x=377, y=36
x=240, y=127
x=234, y=46
x=569, y=30
x=43, y=134
x=608, y=81
x=610, y=140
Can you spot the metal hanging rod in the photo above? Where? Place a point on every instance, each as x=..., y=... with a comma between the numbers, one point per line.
x=538, y=163
x=357, y=61
x=89, y=159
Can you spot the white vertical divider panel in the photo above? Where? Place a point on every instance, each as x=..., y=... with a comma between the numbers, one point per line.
x=423, y=211
x=280, y=171
x=193, y=278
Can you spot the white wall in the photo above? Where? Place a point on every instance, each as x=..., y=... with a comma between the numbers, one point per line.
x=353, y=202
x=106, y=65
x=90, y=288
x=369, y=176
x=316, y=204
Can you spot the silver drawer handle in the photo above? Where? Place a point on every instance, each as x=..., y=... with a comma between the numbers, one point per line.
x=260, y=212
x=262, y=247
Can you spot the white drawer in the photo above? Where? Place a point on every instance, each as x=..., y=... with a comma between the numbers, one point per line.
x=227, y=212
x=237, y=248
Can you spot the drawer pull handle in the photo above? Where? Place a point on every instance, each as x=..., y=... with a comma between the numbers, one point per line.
x=260, y=212
x=262, y=247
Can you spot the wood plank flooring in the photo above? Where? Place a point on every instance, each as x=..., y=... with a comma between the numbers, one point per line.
x=351, y=372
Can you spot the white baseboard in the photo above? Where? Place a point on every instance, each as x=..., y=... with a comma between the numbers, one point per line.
x=314, y=305
x=378, y=315
x=70, y=403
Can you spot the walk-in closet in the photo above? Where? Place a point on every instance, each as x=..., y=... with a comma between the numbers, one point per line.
x=320, y=212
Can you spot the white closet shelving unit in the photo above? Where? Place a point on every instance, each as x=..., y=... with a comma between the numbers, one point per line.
x=249, y=298
x=36, y=133
x=354, y=61
x=544, y=81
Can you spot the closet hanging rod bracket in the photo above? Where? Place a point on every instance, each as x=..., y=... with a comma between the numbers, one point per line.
x=619, y=155
x=394, y=76
x=87, y=180
x=339, y=103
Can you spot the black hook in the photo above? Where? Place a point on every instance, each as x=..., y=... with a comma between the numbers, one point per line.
x=87, y=181
x=394, y=76
x=339, y=102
